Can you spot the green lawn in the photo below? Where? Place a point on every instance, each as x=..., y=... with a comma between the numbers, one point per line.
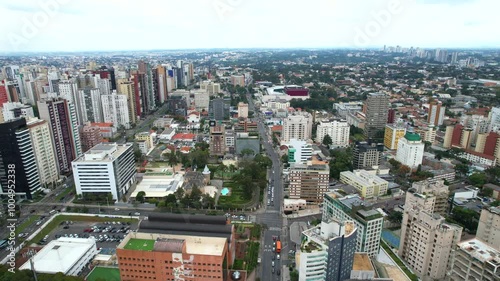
x=398, y=261
x=140, y=244
x=104, y=273
x=235, y=197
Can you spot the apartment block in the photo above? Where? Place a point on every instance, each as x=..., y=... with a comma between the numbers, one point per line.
x=338, y=130
x=299, y=151
x=327, y=251
x=217, y=141
x=242, y=110
x=62, y=119
x=436, y=199
x=14, y=110
x=126, y=87
x=105, y=168
x=297, y=126
x=90, y=136
x=488, y=229
x=436, y=113
x=367, y=184
x=376, y=108
x=368, y=221
x=426, y=239
x=393, y=133
x=309, y=181
x=410, y=150
x=367, y=155
x=115, y=110
x=201, y=100
x=475, y=260
x=43, y=149
x=145, y=141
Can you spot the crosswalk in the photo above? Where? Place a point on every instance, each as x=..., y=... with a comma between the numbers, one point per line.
x=274, y=229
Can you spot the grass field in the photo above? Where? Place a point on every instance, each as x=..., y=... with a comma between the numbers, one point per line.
x=104, y=273
x=140, y=244
x=235, y=197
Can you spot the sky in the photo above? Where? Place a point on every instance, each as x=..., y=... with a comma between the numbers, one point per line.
x=112, y=25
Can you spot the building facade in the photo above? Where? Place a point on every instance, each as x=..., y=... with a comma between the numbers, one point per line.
x=475, y=260
x=410, y=150
x=327, y=251
x=369, y=222
x=105, y=168
x=488, y=229
x=393, y=133
x=376, y=108
x=242, y=110
x=217, y=141
x=367, y=184
x=61, y=116
x=43, y=149
x=90, y=136
x=18, y=159
x=338, y=130
x=299, y=151
x=309, y=181
x=367, y=155
x=115, y=110
x=297, y=126
x=436, y=113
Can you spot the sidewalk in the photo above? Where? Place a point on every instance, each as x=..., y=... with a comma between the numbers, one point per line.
x=304, y=213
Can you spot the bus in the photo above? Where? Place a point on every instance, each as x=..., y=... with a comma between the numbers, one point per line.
x=278, y=246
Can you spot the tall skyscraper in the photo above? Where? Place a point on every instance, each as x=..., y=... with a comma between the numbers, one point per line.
x=488, y=229
x=297, y=126
x=410, y=150
x=43, y=148
x=366, y=155
x=69, y=90
x=376, y=108
x=436, y=113
x=17, y=158
x=327, y=251
x=127, y=88
x=61, y=116
x=148, y=91
x=217, y=141
x=309, y=181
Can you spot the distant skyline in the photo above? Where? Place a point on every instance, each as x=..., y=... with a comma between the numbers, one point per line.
x=126, y=25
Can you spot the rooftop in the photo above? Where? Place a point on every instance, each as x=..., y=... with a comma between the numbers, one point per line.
x=196, y=245
x=60, y=255
x=412, y=136
x=104, y=152
x=362, y=262
x=159, y=184
x=480, y=251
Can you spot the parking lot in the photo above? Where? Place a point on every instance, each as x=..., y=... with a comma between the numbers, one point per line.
x=108, y=234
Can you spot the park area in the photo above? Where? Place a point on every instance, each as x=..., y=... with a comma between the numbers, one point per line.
x=234, y=198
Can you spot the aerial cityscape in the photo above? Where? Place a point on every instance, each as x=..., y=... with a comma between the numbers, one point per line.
x=233, y=155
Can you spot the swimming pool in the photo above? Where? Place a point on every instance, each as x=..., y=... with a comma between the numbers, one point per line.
x=224, y=191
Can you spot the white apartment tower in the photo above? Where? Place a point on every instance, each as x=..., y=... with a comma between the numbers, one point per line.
x=338, y=130
x=488, y=229
x=115, y=109
x=410, y=150
x=297, y=126
x=43, y=149
x=105, y=168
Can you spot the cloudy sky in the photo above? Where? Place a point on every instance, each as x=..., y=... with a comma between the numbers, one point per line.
x=107, y=25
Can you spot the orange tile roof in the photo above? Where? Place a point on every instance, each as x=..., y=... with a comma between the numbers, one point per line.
x=183, y=136
x=102, y=124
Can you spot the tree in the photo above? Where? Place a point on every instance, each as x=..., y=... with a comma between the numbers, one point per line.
x=486, y=191
x=140, y=196
x=247, y=152
x=179, y=193
x=462, y=169
x=327, y=141
x=171, y=198
x=478, y=179
x=172, y=159
x=396, y=217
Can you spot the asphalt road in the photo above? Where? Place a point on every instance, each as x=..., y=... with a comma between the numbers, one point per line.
x=271, y=215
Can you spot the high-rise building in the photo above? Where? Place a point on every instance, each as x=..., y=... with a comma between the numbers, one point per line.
x=105, y=168
x=427, y=133
x=14, y=110
x=436, y=113
x=488, y=229
x=69, y=90
x=426, y=239
x=148, y=91
x=127, y=88
x=242, y=110
x=376, y=108
x=474, y=260
x=367, y=154
x=309, y=181
x=367, y=184
x=494, y=119
x=217, y=141
x=410, y=150
x=368, y=221
x=238, y=80
x=393, y=133
x=61, y=116
x=297, y=126
x=211, y=87
x=90, y=99
x=327, y=251
x=175, y=247
x=201, y=100
x=137, y=94
x=115, y=109
x=90, y=136
x=338, y=130
x=437, y=196
x=218, y=110
x=391, y=116
x=43, y=148
x=160, y=83
x=17, y=158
